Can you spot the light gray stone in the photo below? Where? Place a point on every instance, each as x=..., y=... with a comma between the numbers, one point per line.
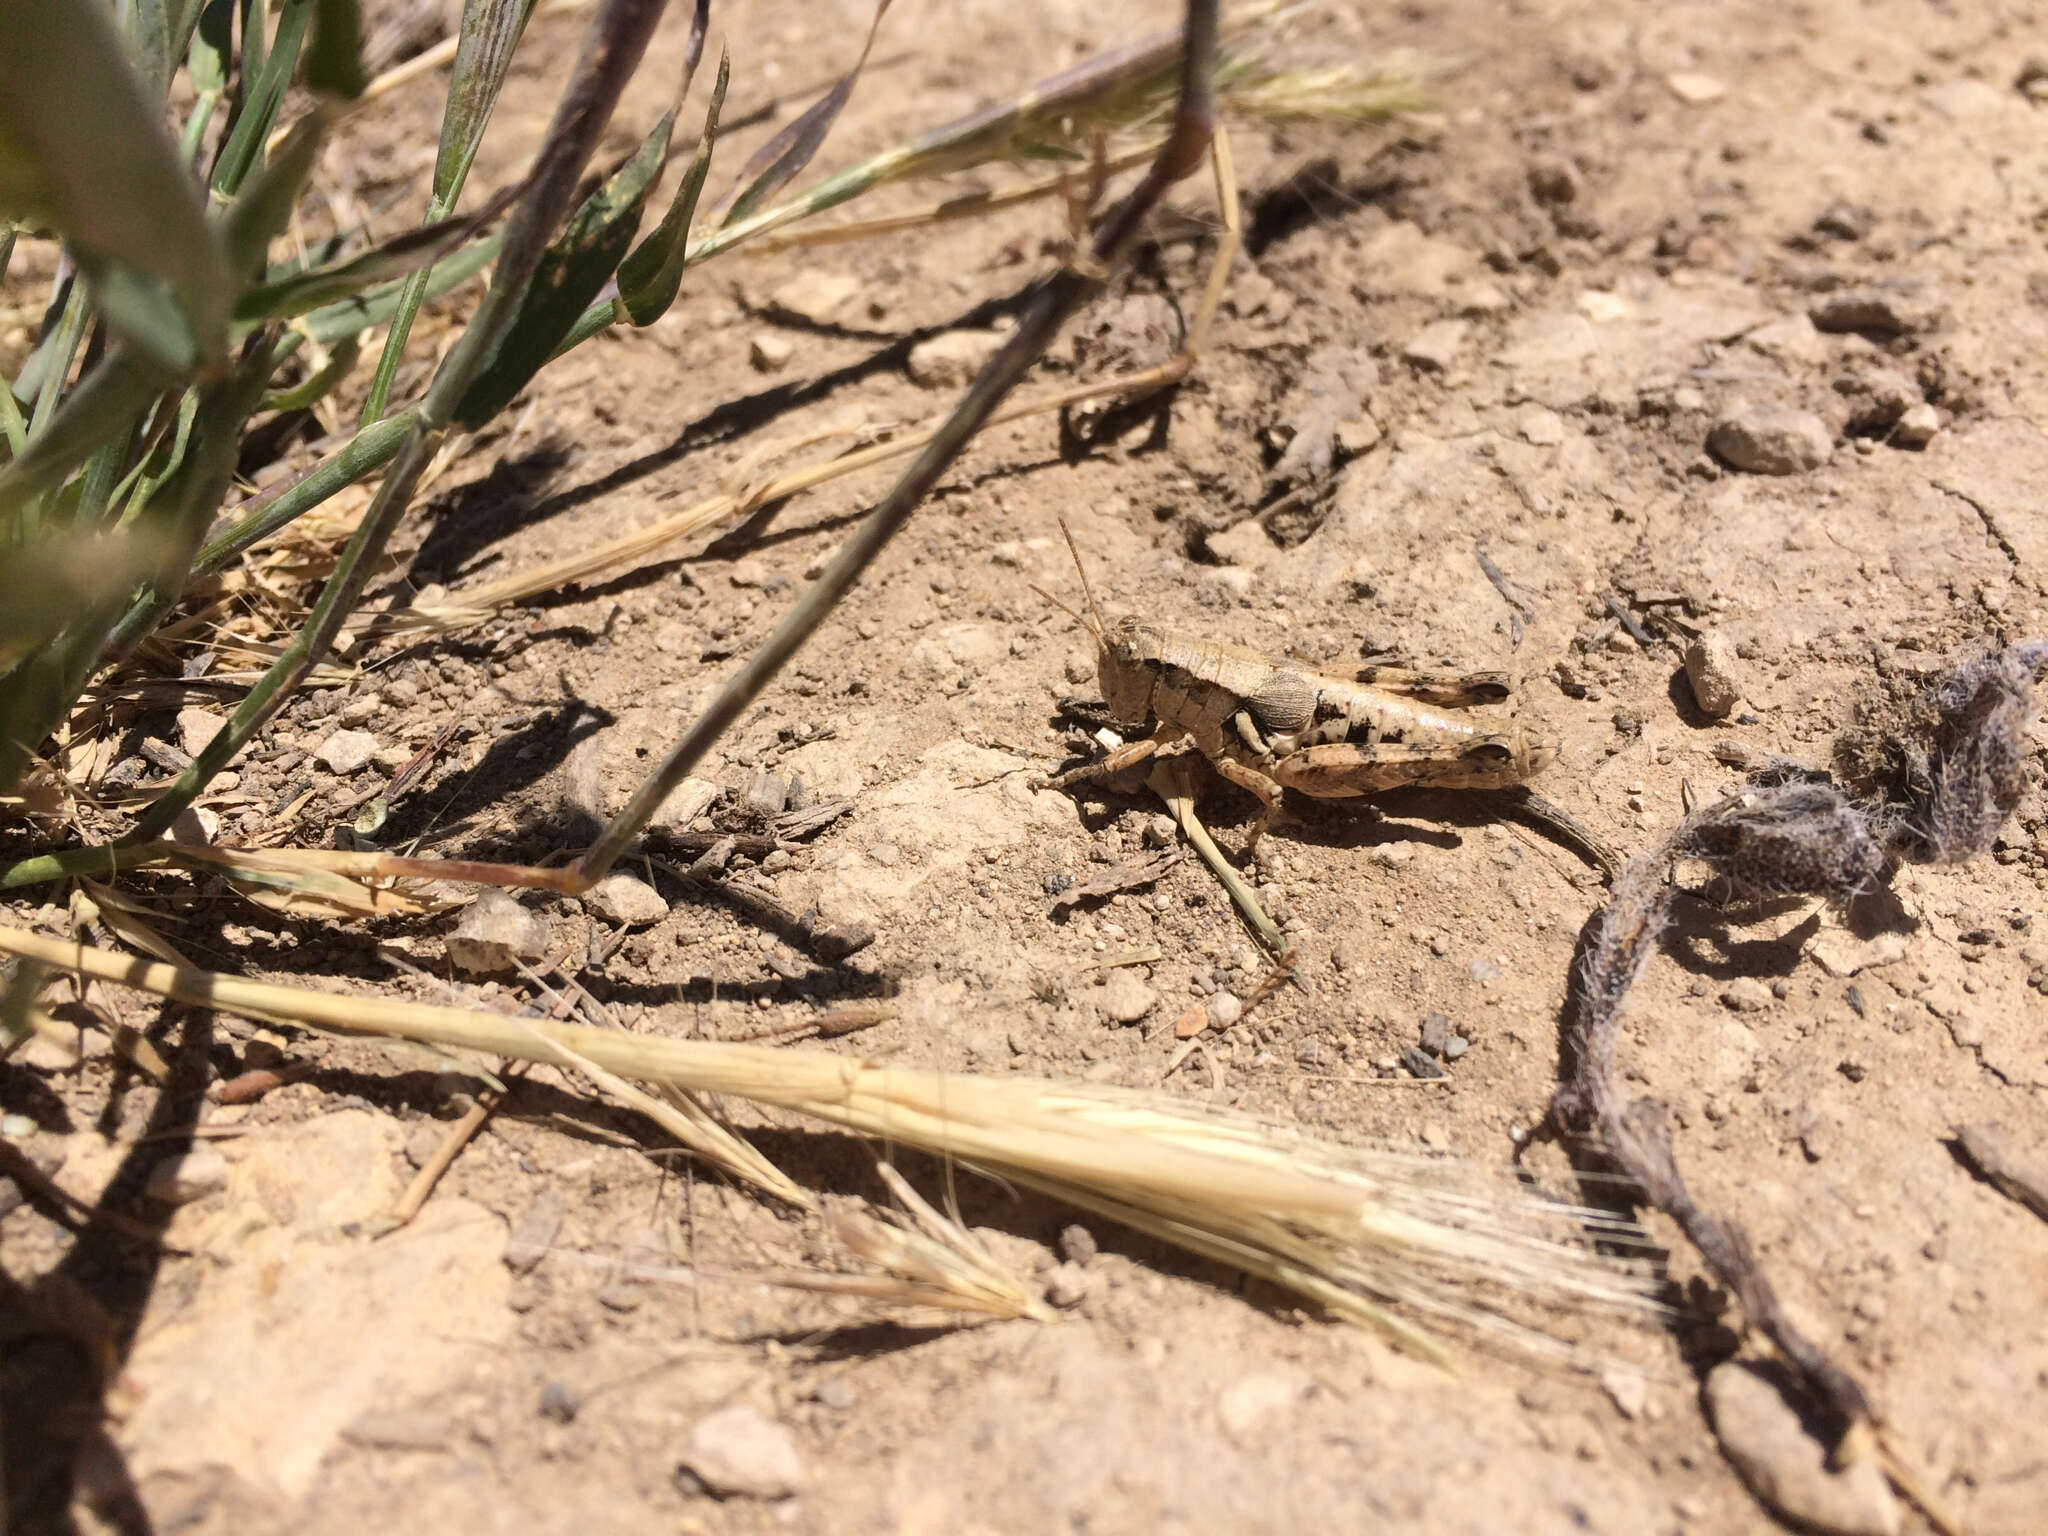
x=344, y=751
x=1771, y=440
x=1786, y=1468
x=495, y=933
x=625, y=899
x=741, y=1452
x=1710, y=669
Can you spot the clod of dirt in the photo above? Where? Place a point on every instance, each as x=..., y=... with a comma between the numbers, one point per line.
x=951, y=361
x=1771, y=440
x=741, y=1453
x=197, y=727
x=1918, y=427
x=1710, y=669
x=1696, y=90
x=1880, y=397
x=1124, y=999
x=1785, y=1467
x=627, y=900
x=1745, y=994
x=821, y=298
x=344, y=751
x=534, y=1233
x=495, y=934
x=1333, y=390
x=1436, y=345
x=1880, y=312
x=770, y=353
x=194, y=1176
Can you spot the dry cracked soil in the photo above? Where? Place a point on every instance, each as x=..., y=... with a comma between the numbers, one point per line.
x=1692, y=317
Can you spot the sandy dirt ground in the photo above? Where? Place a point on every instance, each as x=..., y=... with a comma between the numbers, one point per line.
x=1634, y=222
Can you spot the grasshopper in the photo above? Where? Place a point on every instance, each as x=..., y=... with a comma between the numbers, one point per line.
x=1270, y=725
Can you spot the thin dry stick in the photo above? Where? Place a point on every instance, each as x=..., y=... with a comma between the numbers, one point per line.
x=1056, y=298
x=422, y=1187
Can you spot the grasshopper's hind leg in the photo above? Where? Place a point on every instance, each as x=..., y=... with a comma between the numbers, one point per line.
x=1267, y=790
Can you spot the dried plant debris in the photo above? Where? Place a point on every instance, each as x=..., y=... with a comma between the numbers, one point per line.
x=1928, y=774
x=1130, y=875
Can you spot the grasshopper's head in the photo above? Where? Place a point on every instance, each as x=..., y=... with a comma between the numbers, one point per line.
x=1126, y=667
x=1125, y=652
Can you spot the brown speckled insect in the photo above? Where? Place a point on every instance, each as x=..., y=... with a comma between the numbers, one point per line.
x=1271, y=725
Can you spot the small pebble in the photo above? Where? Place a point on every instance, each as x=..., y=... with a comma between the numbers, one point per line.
x=1710, y=669
x=557, y=1402
x=194, y=1176
x=770, y=353
x=1455, y=1047
x=495, y=933
x=1436, y=345
x=1223, y=1009
x=197, y=727
x=1124, y=999
x=1419, y=1065
x=343, y=752
x=1786, y=1467
x=1436, y=1033
x=951, y=361
x=1694, y=89
x=739, y=1452
x=1916, y=428
x=1771, y=440
x=625, y=899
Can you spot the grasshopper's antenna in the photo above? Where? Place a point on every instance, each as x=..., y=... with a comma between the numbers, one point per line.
x=1063, y=608
x=1099, y=627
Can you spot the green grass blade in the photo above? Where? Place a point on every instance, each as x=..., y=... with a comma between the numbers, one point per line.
x=483, y=53
x=83, y=150
x=333, y=282
x=331, y=322
x=334, y=64
x=107, y=403
x=652, y=275
x=259, y=99
x=320, y=383
x=575, y=267
x=782, y=157
x=264, y=206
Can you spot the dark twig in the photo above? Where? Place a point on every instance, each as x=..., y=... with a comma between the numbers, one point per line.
x=1520, y=610
x=1044, y=313
x=1792, y=832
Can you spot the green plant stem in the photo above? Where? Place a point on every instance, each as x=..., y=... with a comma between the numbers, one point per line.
x=1044, y=313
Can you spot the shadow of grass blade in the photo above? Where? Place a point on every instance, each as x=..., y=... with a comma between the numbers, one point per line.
x=83, y=150
x=652, y=275
x=485, y=43
x=782, y=157
x=575, y=267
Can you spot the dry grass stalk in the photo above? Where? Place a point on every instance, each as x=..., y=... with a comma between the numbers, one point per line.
x=1362, y=1233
